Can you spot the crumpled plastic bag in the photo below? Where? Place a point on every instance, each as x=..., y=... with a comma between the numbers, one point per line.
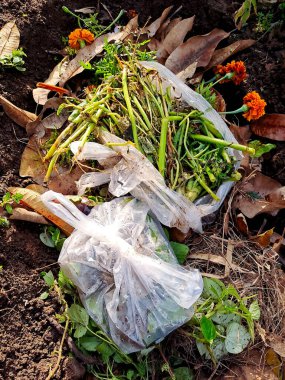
x=134, y=174
x=128, y=278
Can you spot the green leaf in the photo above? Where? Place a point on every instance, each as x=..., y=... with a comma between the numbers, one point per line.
x=78, y=314
x=106, y=351
x=260, y=148
x=219, y=349
x=49, y=278
x=6, y=198
x=9, y=208
x=237, y=338
x=225, y=318
x=254, y=310
x=17, y=197
x=180, y=250
x=44, y=295
x=46, y=239
x=213, y=288
x=208, y=329
x=90, y=343
x=80, y=331
x=130, y=374
x=183, y=373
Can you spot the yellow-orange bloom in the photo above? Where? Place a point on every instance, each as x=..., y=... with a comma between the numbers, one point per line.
x=255, y=106
x=237, y=68
x=79, y=37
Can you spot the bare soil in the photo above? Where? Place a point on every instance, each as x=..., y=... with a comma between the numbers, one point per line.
x=28, y=338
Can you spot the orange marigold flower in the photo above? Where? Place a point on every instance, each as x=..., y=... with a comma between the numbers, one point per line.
x=238, y=70
x=79, y=37
x=255, y=106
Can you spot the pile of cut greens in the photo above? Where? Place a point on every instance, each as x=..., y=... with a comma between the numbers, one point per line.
x=130, y=102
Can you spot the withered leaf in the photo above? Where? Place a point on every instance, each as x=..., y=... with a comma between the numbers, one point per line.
x=188, y=72
x=33, y=201
x=85, y=54
x=220, y=55
x=271, y=126
x=176, y=35
x=40, y=95
x=241, y=224
x=155, y=25
x=263, y=239
x=18, y=115
x=28, y=216
x=166, y=27
x=9, y=38
x=196, y=49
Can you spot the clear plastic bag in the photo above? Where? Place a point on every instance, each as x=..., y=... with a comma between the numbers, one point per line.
x=136, y=175
x=128, y=278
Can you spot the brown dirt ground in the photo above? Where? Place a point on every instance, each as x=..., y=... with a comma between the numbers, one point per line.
x=27, y=337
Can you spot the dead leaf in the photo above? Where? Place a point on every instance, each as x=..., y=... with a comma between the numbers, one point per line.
x=155, y=25
x=220, y=55
x=242, y=134
x=33, y=201
x=271, y=126
x=28, y=216
x=65, y=181
x=9, y=38
x=18, y=115
x=241, y=224
x=32, y=164
x=85, y=10
x=188, y=72
x=35, y=127
x=177, y=34
x=263, y=239
x=273, y=361
x=259, y=194
x=166, y=28
x=196, y=49
x=85, y=54
x=40, y=95
x=220, y=104
x=52, y=121
x=37, y=188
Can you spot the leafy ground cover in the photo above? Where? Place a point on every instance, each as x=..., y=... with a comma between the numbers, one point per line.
x=236, y=250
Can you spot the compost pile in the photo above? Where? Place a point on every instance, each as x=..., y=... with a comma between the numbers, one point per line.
x=130, y=160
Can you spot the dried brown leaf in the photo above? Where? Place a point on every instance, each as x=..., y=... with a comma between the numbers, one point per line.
x=242, y=134
x=271, y=126
x=18, y=115
x=28, y=216
x=259, y=194
x=188, y=72
x=33, y=201
x=52, y=121
x=166, y=28
x=155, y=25
x=9, y=38
x=220, y=55
x=177, y=34
x=90, y=51
x=40, y=94
x=196, y=49
x=241, y=224
x=263, y=239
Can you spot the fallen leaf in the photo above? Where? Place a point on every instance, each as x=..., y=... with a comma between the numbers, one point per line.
x=37, y=127
x=271, y=126
x=85, y=10
x=273, y=361
x=220, y=104
x=28, y=216
x=37, y=188
x=241, y=224
x=263, y=239
x=220, y=55
x=188, y=72
x=52, y=121
x=33, y=201
x=32, y=164
x=85, y=54
x=155, y=25
x=166, y=27
x=65, y=181
x=196, y=49
x=18, y=115
x=242, y=134
x=259, y=194
x=40, y=95
x=177, y=34
x=9, y=38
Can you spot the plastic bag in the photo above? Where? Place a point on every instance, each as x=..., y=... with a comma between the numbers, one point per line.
x=136, y=175
x=128, y=278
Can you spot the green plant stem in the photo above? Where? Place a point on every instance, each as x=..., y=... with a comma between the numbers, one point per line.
x=129, y=107
x=206, y=187
x=142, y=112
x=162, y=142
x=223, y=143
x=57, y=142
x=112, y=23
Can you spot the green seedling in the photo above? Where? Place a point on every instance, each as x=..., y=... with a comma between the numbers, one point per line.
x=52, y=237
x=8, y=200
x=15, y=60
